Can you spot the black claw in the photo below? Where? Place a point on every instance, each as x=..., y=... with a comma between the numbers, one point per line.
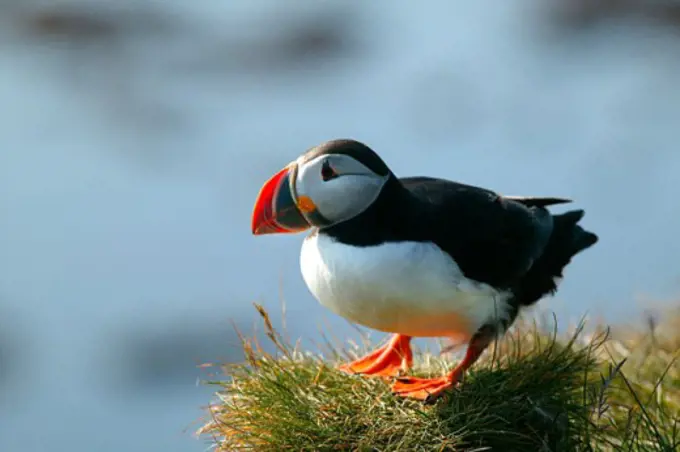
x=431, y=399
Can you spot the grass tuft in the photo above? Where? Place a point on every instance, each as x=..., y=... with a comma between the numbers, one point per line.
x=534, y=391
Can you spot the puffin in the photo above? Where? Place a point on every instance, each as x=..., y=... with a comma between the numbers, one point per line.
x=416, y=256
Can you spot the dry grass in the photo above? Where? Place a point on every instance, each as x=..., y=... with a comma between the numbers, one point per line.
x=536, y=391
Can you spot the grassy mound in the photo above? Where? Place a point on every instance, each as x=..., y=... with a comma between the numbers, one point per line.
x=534, y=391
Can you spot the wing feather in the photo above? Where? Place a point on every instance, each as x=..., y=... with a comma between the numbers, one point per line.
x=494, y=239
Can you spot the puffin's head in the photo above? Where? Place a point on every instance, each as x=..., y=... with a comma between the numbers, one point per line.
x=329, y=184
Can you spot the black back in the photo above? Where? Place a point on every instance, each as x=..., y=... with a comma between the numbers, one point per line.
x=493, y=240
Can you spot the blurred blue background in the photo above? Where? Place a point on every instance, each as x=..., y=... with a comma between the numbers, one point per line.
x=134, y=136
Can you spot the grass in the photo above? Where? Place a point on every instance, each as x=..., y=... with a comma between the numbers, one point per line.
x=534, y=391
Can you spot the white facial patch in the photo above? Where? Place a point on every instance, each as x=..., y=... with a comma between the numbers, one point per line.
x=354, y=189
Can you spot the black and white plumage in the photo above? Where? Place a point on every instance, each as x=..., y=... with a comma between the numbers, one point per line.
x=416, y=256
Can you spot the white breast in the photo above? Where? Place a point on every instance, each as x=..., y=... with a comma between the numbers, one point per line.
x=410, y=288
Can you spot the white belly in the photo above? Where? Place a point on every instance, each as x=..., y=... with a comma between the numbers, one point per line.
x=411, y=288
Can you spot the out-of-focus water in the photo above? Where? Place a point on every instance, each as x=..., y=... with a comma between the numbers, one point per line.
x=131, y=151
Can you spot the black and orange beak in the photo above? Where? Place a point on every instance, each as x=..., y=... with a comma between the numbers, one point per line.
x=277, y=210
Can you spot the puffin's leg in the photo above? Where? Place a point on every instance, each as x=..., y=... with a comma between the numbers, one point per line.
x=429, y=389
x=386, y=361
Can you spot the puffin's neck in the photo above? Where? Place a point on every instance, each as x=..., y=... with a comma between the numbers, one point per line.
x=387, y=219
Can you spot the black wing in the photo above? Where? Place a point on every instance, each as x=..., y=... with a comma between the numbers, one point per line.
x=494, y=239
x=533, y=201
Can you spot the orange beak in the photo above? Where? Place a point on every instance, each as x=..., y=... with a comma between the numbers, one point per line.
x=276, y=210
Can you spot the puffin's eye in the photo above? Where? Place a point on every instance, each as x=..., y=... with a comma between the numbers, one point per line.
x=327, y=172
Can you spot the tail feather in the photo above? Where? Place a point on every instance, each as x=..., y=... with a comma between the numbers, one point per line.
x=566, y=241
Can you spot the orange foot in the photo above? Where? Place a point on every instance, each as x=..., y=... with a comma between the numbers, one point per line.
x=430, y=389
x=387, y=361
x=425, y=389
